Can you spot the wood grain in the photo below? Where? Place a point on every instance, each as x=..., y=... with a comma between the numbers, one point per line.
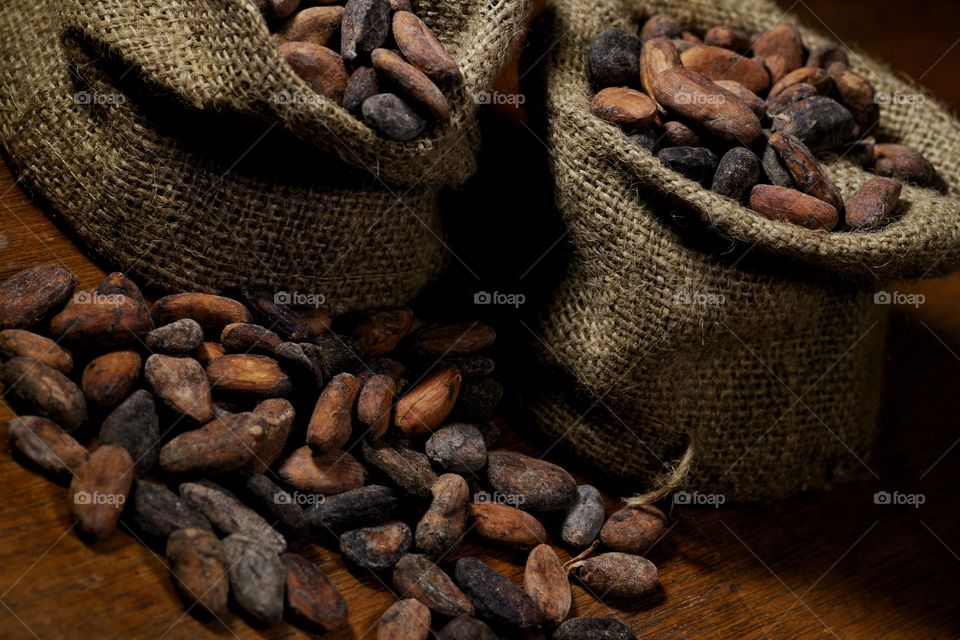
x=828, y=564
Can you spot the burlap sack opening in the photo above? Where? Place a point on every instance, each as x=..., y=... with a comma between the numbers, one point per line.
x=155, y=130
x=217, y=55
x=699, y=345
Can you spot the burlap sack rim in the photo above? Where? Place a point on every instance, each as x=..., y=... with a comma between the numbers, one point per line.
x=924, y=241
x=446, y=158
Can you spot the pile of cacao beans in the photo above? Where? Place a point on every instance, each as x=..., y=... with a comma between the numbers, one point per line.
x=766, y=105
x=218, y=428
x=390, y=67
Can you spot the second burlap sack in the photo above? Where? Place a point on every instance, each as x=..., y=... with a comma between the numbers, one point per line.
x=693, y=344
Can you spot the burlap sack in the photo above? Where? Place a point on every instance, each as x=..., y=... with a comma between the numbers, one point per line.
x=694, y=343
x=144, y=124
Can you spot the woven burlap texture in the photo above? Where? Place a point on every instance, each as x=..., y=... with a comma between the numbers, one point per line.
x=158, y=204
x=763, y=373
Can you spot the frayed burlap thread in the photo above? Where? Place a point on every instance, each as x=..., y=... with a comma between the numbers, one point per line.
x=146, y=184
x=770, y=362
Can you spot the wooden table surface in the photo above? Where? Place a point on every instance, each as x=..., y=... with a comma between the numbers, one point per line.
x=819, y=565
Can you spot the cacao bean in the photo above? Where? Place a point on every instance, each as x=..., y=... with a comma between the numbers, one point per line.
x=332, y=421
x=584, y=518
x=495, y=597
x=404, y=620
x=910, y=167
x=421, y=48
x=43, y=391
x=158, y=512
x=244, y=338
x=781, y=203
x=427, y=405
x=414, y=85
x=545, y=581
x=781, y=49
x=364, y=27
x=813, y=76
x=392, y=117
x=826, y=55
x=466, y=628
x=257, y=577
x=99, y=490
x=377, y=332
x=696, y=163
x=808, y=174
x=107, y=379
x=274, y=502
x=450, y=340
x=624, y=106
x=408, y=469
x=442, y=527
x=30, y=295
x=321, y=68
x=375, y=403
x=819, y=122
x=752, y=100
x=352, y=509
x=361, y=84
x=695, y=96
x=416, y=576
x=543, y=485
x=311, y=596
x=457, y=447
x=177, y=338
x=717, y=63
x=228, y=514
x=618, y=575
x=634, y=529
x=198, y=565
x=660, y=24
x=791, y=95
x=253, y=375
x=658, y=55
x=737, y=173
x=594, y=629
x=506, y=525
x=223, y=444
x=46, y=445
x=212, y=312
x=331, y=472
x=18, y=342
x=376, y=548
x=733, y=39
x=182, y=385
x=316, y=25
x=278, y=416
x=135, y=426
x=614, y=57
x=103, y=320
x=873, y=202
